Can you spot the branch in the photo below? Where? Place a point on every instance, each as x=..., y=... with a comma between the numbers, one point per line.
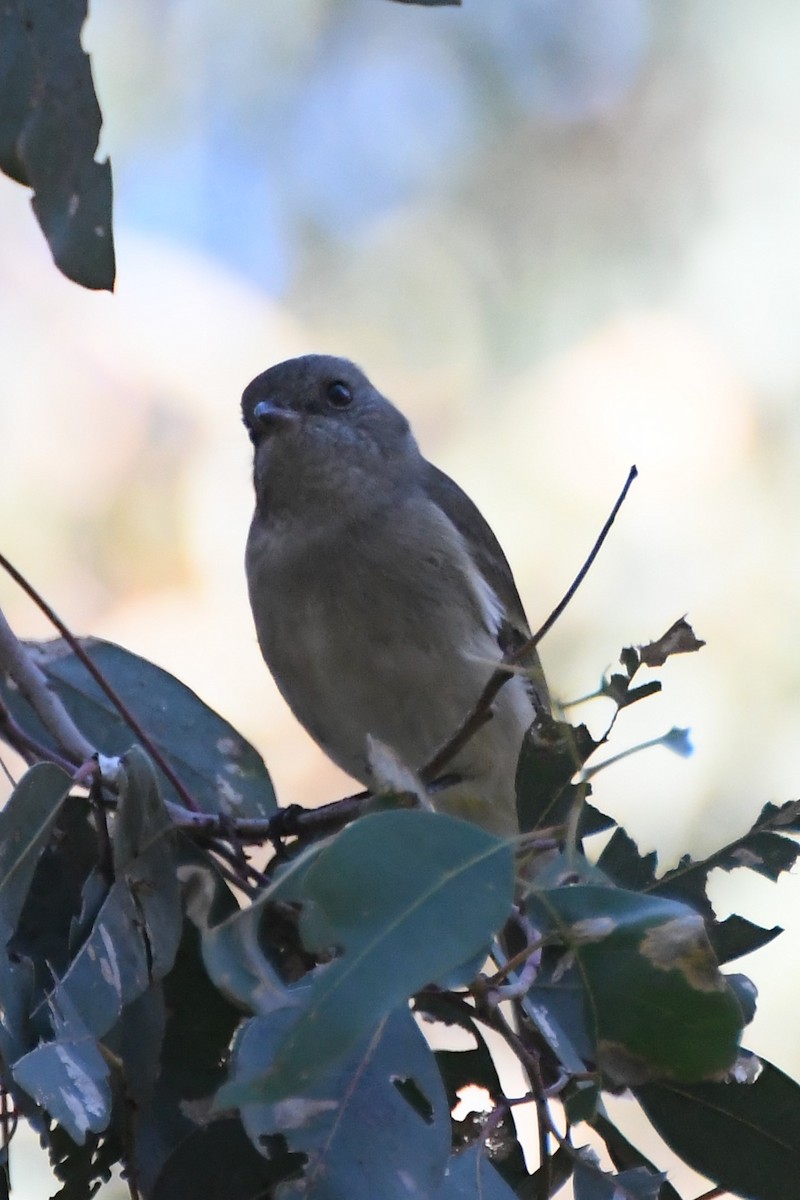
x=99, y=678
x=17, y=662
x=481, y=713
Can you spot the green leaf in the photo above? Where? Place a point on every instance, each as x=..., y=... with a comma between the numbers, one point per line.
x=549, y=758
x=388, y=1084
x=657, y=1003
x=471, y=1175
x=745, y=1137
x=383, y=894
x=26, y=823
x=220, y=770
x=49, y=130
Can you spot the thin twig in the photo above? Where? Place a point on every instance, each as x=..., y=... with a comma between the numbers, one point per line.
x=79, y=652
x=17, y=662
x=482, y=711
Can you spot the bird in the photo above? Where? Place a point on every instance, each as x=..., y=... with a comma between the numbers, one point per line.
x=381, y=598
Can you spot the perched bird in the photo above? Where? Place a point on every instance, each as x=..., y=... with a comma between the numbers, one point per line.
x=380, y=595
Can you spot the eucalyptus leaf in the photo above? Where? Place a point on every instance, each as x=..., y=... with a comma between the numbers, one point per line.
x=387, y=1085
x=745, y=1137
x=26, y=822
x=219, y=768
x=217, y=1161
x=380, y=895
x=68, y=1077
x=49, y=130
x=657, y=1003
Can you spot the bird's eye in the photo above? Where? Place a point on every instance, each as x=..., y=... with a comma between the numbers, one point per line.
x=339, y=394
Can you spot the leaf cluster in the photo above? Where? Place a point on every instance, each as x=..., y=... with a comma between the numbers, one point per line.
x=223, y=1030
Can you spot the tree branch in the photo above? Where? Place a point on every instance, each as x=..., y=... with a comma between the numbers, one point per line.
x=17, y=662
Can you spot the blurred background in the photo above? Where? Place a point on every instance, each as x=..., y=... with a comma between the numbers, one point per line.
x=563, y=238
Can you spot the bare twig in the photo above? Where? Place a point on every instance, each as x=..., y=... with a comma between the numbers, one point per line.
x=481, y=713
x=100, y=679
x=16, y=661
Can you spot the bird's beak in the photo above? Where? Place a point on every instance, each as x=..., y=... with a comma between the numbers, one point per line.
x=269, y=416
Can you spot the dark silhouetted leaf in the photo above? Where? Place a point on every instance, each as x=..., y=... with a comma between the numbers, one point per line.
x=736, y=936
x=679, y=639
x=26, y=823
x=388, y=1084
x=217, y=1161
x=49, y=130
x=657, y=1002
x=745, y=1137
x=221, y=771
x=470, y=1174
x=551, y=754
x=637, y=1184
x=623, y=863
x=200, y=1025
x=625, y=1155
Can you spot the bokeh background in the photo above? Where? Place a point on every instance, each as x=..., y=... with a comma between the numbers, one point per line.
x=564, y=237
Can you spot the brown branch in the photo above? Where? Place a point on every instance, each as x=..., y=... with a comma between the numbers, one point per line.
x=481, y=713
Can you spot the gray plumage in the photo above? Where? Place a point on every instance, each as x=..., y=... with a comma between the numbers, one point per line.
x=380, y=595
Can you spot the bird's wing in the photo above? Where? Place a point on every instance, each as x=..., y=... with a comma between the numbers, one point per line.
x=490, y=561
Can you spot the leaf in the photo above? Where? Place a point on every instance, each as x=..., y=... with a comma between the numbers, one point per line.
x=760, y=850
x=388, y=1085
x=624, y=1154
x=193, y=1063
x=474, y=1067
x=656, y=1001
x=382, y=893
x=26, y=823
x=55, y=897
x=622, y=862
x=551, y=754
x=590, y=1183
x=218, y=1162
x=68, y=1077
x=471, y=1176
x=679, y=639
x=744, y=1137
x=49, y=130
x=220, y=770
x=135, y=935
x=143, y=846
x=736, y=936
